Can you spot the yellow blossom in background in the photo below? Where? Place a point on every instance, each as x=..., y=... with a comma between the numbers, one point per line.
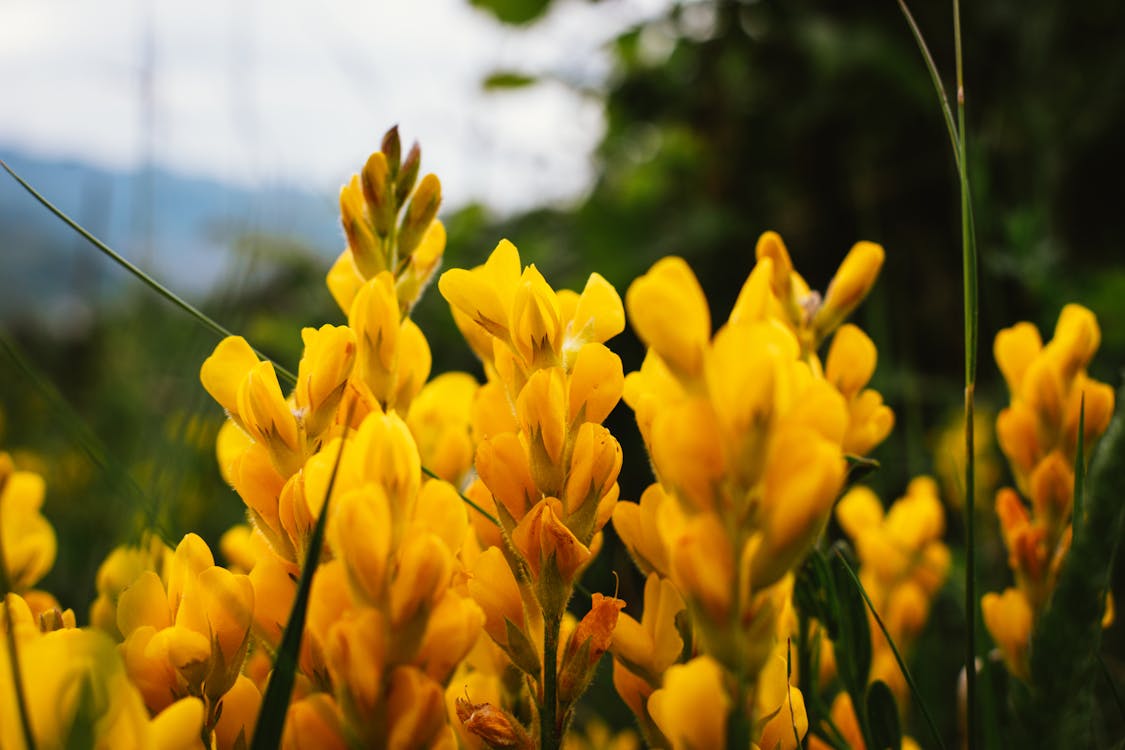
x=903, y=565
x=949, y=458
x=27, y=540
x=121, y=567
x=77, y=690
x=1038, y=433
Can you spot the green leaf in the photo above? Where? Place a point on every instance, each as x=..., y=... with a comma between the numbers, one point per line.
x=514, y=12
x=275, y=703
x=882, y=715
x=853, y=641
x=815, y=594
x=507, y=79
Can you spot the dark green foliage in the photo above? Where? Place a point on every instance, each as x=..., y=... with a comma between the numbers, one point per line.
x=1057, y=708
x=882, y=715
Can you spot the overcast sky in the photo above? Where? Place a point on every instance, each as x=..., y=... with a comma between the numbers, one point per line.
x=286, y=92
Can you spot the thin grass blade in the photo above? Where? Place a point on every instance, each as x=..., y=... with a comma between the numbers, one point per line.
x=465, y=499
x=149, y=281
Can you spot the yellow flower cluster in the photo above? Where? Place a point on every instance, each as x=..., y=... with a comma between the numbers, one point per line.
x=903, y=565
x=389, y=615
x=74, y=684
x=548, y=470
x=1038, y=433
x=747, y=431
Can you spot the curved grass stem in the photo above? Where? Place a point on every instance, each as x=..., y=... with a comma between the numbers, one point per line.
x=149, y=281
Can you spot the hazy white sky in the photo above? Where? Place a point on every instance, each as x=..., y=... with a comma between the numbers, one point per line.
x=286, y=92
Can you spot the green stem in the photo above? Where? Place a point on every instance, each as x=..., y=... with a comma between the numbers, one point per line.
x=550, y=738
x=969, y=274
x=152, y=283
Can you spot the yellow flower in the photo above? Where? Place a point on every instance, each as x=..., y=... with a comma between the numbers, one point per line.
x=652, y=645
x=1008, y=617
x=495, y=589
x=27, y=539
x=188, y=636
x=1038, y=432
x=80, y=692
x=313, y=723
x=440, y=419
x=853, y=280
x=692, y=706
x=670, y=313
x=323, y=374
x=547, y=545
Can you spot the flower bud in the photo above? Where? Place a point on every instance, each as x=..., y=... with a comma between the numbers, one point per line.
x=421, y=210
x=323, y=374
x=852, y=282
x=495, y=726
x=367, y=249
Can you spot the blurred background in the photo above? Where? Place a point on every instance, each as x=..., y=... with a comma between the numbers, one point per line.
x=208, y=143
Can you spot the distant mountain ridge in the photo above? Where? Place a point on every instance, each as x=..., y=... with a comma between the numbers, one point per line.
x=192, y=223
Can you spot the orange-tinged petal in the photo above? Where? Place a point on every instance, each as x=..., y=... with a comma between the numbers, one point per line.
x=1008, y=617
x=356, y=652
x=1077, y=337
x=637, y=525
x=313, y=723
x=451, y=631
x=594, y=466
x=542, y=538
x=687, y=452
